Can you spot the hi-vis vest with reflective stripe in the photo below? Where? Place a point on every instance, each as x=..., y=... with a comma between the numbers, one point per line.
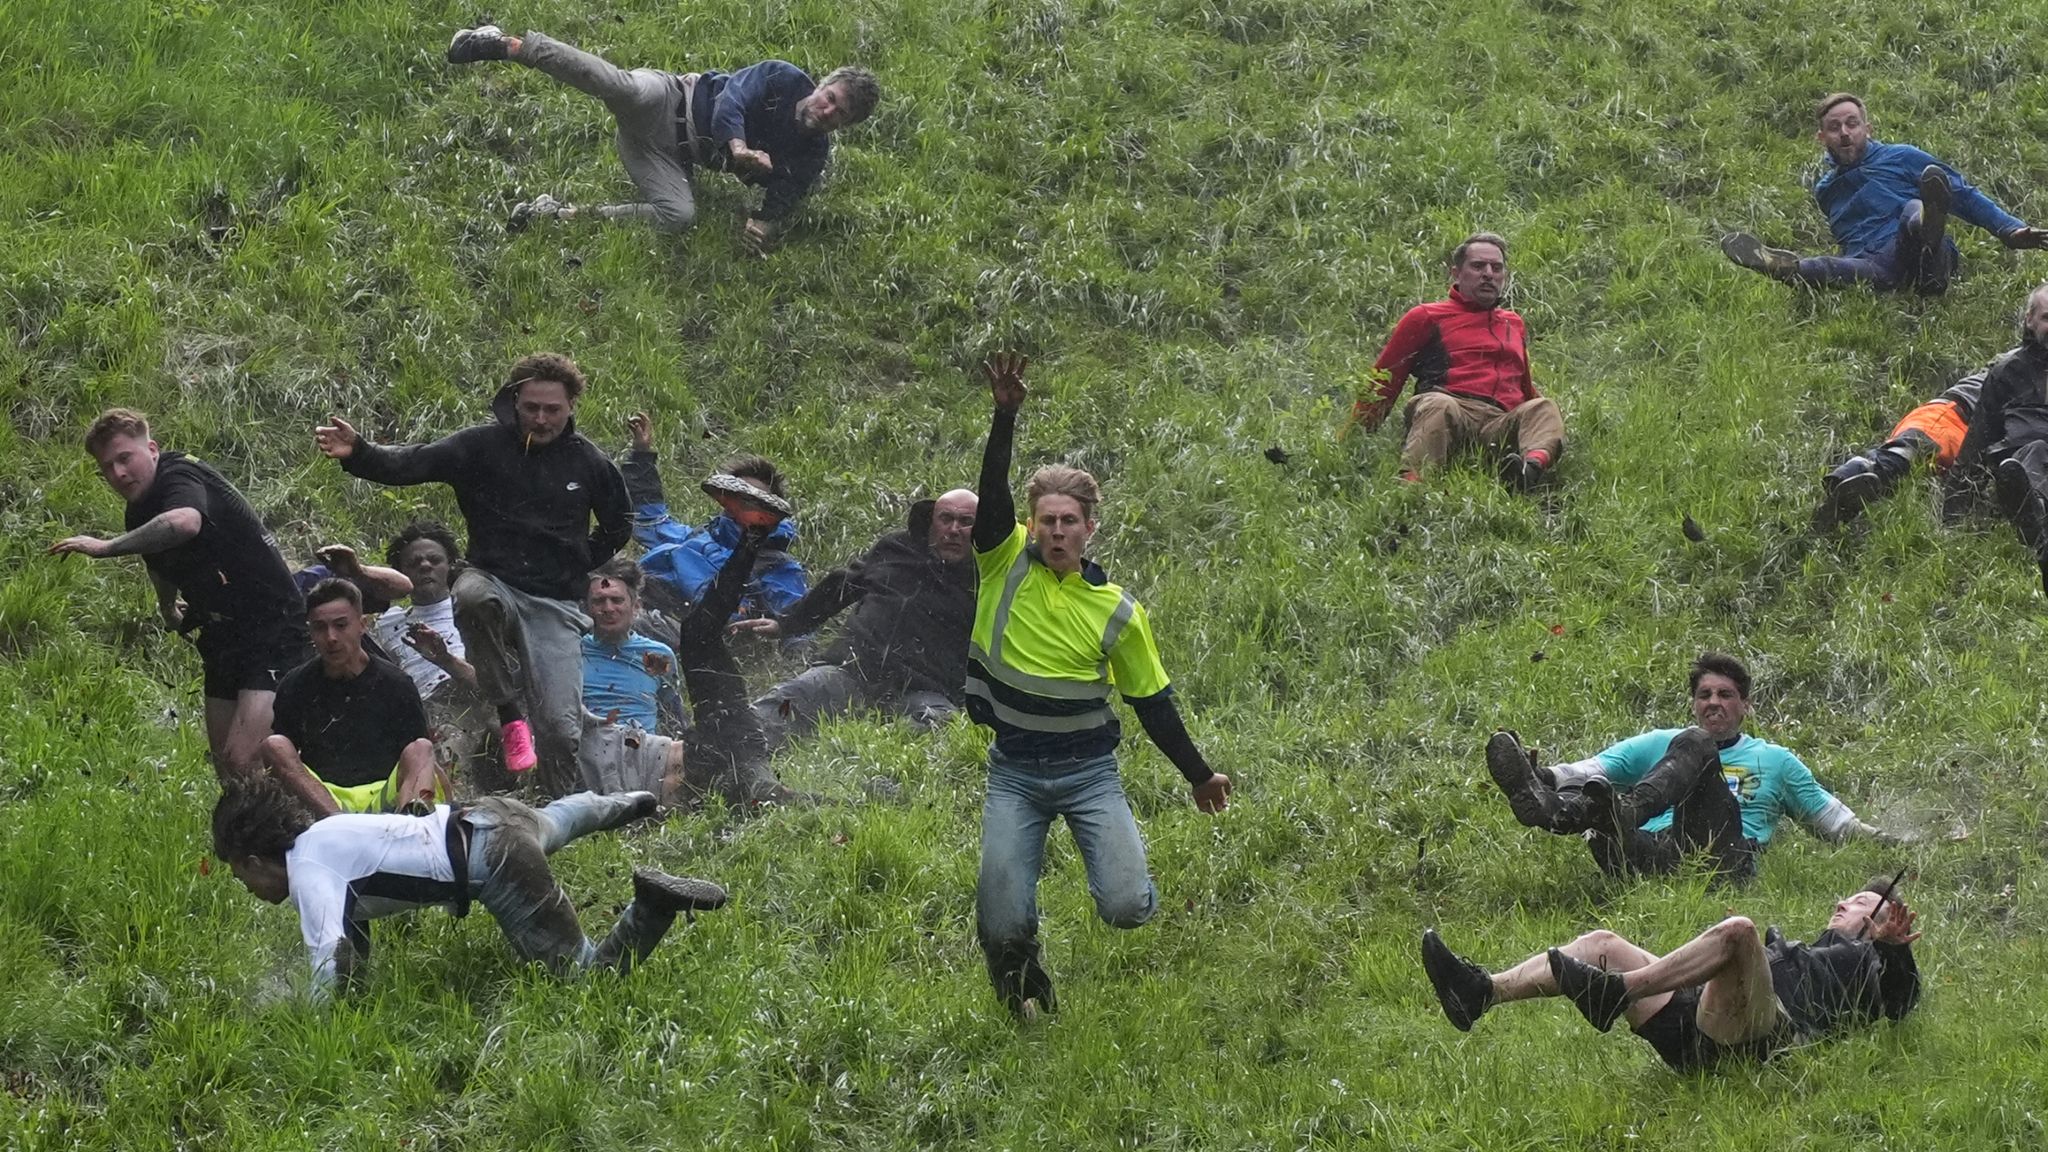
x=1047, y=650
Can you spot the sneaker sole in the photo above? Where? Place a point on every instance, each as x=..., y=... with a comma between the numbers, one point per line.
x=686, y=893
x=1508, y=764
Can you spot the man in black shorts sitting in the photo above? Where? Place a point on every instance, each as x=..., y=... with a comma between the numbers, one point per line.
x=203, y=544
x=351, y=733
x=1724, y=993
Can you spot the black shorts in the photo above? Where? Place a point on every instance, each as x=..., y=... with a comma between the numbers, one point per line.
x=1675, y=1033
x=240, y=661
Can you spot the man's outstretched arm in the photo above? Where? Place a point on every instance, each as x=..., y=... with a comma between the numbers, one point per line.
x=996, y=515
x=445, y=460
x=161, y=532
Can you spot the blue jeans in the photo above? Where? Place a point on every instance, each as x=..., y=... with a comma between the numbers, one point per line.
x=509, y=875
x=1899, y=264
x=1024, y=796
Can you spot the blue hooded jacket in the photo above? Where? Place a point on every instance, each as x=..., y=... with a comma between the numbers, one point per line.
x=685, y=559
x=1862, y=201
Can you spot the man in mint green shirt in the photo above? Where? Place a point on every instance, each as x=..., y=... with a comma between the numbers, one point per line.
x=1646, y=803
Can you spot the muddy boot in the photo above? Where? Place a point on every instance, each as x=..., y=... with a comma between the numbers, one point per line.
x=657, y=899
x=1514, y=770
x=1670, y=780
x=1022, y=985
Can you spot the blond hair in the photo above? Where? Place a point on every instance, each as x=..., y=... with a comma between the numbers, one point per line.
x=1060, y=480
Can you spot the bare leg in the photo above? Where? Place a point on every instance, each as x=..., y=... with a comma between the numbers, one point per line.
x=1531, y=978
x=419, y=775
x=1737, y=1002
x=281, y=760
x=235, y=731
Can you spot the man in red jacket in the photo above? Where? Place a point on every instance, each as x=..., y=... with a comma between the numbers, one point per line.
x=1469, y=358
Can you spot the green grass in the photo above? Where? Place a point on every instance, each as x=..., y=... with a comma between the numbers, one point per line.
x=1200, y=217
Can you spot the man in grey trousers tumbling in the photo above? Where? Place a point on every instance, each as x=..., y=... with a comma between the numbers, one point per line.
x=767, y=124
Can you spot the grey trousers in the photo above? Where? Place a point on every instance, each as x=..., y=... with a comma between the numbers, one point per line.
x=508, y=871
x=528, y=649
x=793, y=708
x=644, y=102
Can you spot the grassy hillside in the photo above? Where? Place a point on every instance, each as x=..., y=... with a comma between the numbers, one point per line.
x=1200, y=217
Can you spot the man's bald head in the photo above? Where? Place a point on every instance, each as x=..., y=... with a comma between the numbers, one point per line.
x=952, y=535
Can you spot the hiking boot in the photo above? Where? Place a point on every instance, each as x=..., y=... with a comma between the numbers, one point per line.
x=1755, y=255
x=524, y=213
x=1847, y=490
x=1599, y=995
x=2021, y=504
x=746, y=505
x=470, y=45
x=673, y=894
x=1935, y=199
x=1463, y=988
x=1509, y=764
x=516, y=738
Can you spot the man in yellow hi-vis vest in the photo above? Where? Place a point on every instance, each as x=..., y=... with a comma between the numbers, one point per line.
x=1052, y=638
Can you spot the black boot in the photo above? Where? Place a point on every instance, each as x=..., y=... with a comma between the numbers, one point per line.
x=1514, y=769
x=1463, y=988
x=1854, y=484
x=2021, y=503
x=1020, y=982
x=657, y=899
x=1600, y=996
x=1674, y=776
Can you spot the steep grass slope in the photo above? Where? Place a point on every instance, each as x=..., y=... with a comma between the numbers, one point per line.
x=1200, y=217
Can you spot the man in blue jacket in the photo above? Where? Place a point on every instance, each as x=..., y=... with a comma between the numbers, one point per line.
x=1888, y=207
x=767, y=123
x=682, y=561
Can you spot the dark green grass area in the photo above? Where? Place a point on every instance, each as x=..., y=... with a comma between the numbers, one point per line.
x=1200, y=217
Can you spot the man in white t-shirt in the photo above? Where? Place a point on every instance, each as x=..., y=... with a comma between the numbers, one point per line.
x=346, y=870
x=423, y=638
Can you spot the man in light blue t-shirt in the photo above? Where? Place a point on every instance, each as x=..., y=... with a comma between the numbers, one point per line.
x=1646, y=803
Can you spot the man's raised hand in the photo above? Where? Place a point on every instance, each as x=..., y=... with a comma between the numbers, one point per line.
x=91, y=546
x=1005, y=372
x=1897, y=925
x=340, y=559
x=642, y=431
x=337, y=441
x=1213, y=794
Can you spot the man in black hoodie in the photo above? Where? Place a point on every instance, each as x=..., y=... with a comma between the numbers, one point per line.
x=529, y=487
x=202, y=542
x=2008, y=436
x=905, y=647
x=1724, y=994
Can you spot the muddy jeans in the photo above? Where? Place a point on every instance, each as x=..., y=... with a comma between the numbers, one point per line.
x=1442, y=423
x=528, y=649
x=794, y=708
x=509, y=876
x=644, y=102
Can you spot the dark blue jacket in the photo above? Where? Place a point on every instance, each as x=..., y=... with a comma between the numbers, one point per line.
x=1862, y=201
x=757, y=104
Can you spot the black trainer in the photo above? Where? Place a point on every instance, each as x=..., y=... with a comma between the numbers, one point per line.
x=1508, y=762
x=1600, y=996
x=673, y=894
x=1463, y=988
x=1848, y=499
x=485, y=42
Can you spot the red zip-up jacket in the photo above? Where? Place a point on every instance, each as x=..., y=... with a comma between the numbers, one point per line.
x=1457, y=346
